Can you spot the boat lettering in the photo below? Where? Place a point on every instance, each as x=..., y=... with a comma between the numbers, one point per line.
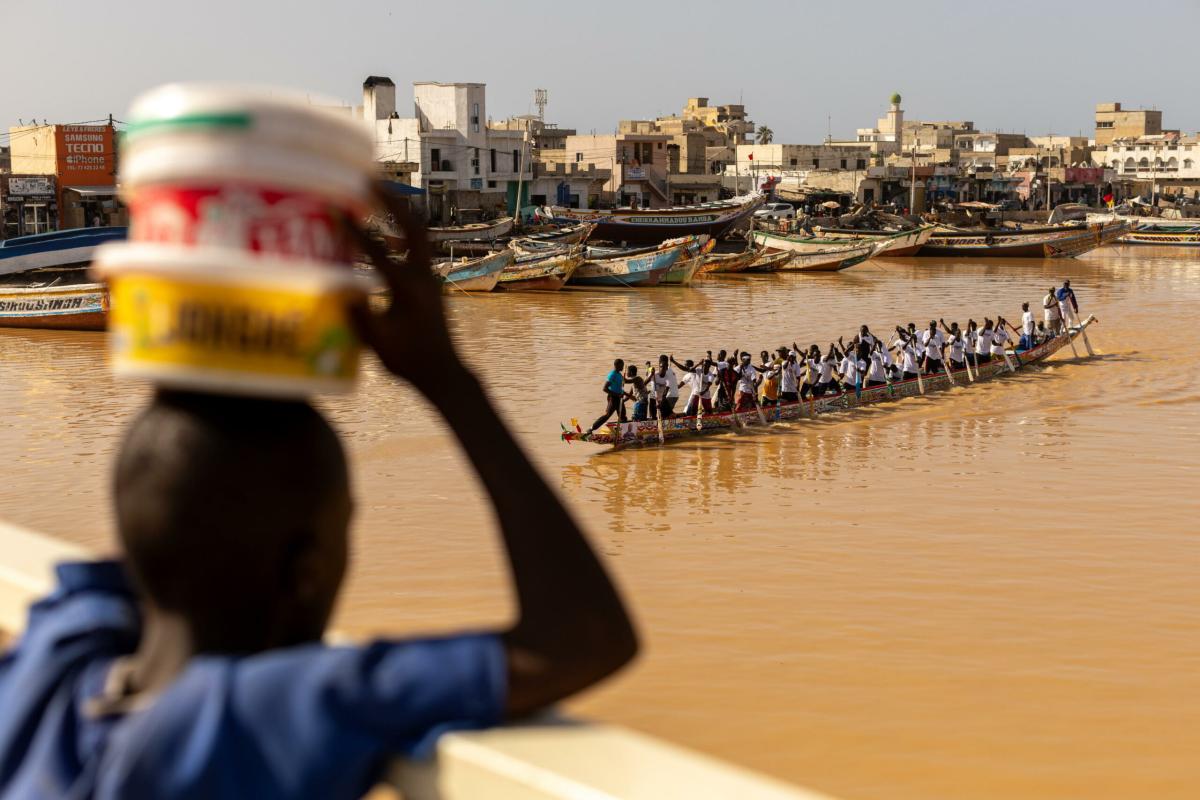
x=680, y=220
x=244, y=329
x=50, y=304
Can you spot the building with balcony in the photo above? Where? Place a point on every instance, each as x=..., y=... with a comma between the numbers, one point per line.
x=1152, y=164
x=637, y=162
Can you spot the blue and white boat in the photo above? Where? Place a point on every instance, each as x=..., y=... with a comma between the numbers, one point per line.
x=639, y=268
x=56, y=250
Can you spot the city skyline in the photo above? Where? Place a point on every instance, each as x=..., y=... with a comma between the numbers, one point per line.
x=1051, y=69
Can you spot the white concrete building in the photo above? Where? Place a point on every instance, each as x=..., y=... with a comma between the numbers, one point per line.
x=466, y=168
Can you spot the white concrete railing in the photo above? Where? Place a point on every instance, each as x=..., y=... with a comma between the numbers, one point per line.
x=555, y=759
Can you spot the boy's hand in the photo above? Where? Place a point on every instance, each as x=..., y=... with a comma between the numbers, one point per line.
x=411, y=337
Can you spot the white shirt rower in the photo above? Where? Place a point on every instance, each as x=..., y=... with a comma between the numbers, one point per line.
x=747, y=376
x=956, y=349
x=983, y=344
x=787, y=379
x=1027, y=325
x=876, y=370
x=910, y=358
x=933, y=344
x=827, y=365
x=1000, y=337
x=851, y=367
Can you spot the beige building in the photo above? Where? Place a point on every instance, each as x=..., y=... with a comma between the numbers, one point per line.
x=637, y=162
x=1114, y=122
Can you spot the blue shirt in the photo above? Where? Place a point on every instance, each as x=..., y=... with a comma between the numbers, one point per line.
x=614, y=383
x=1064, y=293
x=306, y=721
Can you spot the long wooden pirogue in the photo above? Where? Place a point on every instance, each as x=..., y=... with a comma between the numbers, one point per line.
x=622, y=434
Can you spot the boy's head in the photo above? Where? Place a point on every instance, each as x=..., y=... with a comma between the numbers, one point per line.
x=233, y=514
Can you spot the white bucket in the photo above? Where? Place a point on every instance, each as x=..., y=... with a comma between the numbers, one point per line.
x=263, y=171
x=216, y=320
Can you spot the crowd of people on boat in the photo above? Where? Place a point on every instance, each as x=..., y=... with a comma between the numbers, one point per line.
x=738, y=382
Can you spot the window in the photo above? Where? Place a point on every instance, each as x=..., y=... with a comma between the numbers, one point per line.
x=843, y=162
x=860, y=164
x=816, y=162
x=794, y=160
x=491, y=184
x=578, y=157
x=660, y=145
x=516, y=161
x=1144, y=164
x=475, y=117
x=1187, y=163
x=1104, y=123
x=475, y=165
x=36, y=218
x=435, y=157
x=492, y=153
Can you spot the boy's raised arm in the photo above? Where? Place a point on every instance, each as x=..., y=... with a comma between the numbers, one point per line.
x=572, y=628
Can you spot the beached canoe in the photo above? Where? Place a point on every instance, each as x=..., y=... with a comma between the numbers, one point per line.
x=541, y=273
x=636, y=268
x=769, y=261
x=1068, y=242
x=73, y=307
x=898, y=243
x=621, y=434
x=654, y=225
x=474, y=274
x=816, y=255
x=55, y=250
x=728, y=263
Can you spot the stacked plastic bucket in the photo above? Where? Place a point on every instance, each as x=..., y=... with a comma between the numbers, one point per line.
x=237, y=271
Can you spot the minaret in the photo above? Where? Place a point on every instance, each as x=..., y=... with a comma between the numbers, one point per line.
x=895, y=120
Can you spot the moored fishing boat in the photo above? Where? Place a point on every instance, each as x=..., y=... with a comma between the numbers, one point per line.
x=728, y=263
x=55, y=250
x=76, y=307
x=648, y=432
x=638, y=268
x=475, y=230
x=816, y=255
x=541, y=273
x=654, y=225
x=685, y=267
x=565, y=234
x=898, y=243
x=1065, y=243
x=474, y=274
x=769, y=261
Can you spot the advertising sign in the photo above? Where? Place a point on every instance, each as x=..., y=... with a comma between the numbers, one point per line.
x=86, y=156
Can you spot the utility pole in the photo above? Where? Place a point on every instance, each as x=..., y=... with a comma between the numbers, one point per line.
x=912, y=189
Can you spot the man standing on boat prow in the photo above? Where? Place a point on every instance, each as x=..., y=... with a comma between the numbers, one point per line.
x=614, y=393
x=1070, y=306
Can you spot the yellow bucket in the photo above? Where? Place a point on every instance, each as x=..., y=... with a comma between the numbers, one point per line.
x=203, y=319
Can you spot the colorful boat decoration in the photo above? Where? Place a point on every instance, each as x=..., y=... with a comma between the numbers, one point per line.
x=547, y=273
x=55, y=250
x=629, y=269
x=655, y=225
x=816, y=255
x=474, y=274
x=623, y=434
x=686, y=266
x=72, y=307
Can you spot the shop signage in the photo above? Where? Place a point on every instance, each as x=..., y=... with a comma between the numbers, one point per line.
x=30, y=185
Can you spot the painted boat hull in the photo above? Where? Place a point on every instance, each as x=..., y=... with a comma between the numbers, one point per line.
x=645, y=269
x=79, y=307
x=769, y=261
x=897, y=244
x=482, y=230
x=69, y=248
x=651, y=226
x=816, y=255
x=477, y=275
x=622, y=434
x=1162, y=238
x=1055, y=245
x=728, y=263
x=548, y=275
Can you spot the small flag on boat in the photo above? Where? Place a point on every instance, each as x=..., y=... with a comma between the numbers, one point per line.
x=575, y=425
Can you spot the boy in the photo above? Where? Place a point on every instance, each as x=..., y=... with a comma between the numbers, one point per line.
x=194, y=667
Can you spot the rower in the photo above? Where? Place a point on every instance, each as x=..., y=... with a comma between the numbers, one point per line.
x=666, y=388
x=1069, y=305
x=791, y=373
x=1000, y=336
x=957, y=347
x=826, y=384
x=812, y=371
x=614, y=393
x=865, y=335
x=696, y=379
x=747, y=384
x=971, y=341
x=932, y=341
x=851, y=369
x=638, y=393
x=1052, y=312
x=909, y=355
x=876, y=366
x=983, y=344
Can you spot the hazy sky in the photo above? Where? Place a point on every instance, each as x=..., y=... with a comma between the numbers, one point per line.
x=1016, y=65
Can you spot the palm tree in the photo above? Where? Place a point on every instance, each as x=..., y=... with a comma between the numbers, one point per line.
x=764, y=135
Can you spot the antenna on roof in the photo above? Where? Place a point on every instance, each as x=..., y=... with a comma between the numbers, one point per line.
x=539, y=99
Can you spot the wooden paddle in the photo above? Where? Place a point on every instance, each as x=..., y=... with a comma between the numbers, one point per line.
x=920, y=381
x=946, y=366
